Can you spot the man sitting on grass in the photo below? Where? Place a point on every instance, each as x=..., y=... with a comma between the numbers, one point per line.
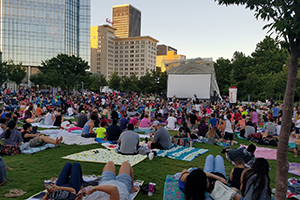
x=36, y=140
x=161, y=139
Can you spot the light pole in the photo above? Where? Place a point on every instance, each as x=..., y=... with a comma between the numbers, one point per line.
x=82, y=88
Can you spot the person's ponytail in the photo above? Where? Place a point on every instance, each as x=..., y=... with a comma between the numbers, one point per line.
x=7, y=134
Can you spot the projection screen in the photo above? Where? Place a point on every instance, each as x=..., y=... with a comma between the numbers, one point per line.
x=186, y=85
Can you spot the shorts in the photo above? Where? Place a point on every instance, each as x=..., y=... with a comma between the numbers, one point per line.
x=122, y=178
x=292, y=145
x=228, y=136
x=156, y=146
x=35, y=142
x=192, y=127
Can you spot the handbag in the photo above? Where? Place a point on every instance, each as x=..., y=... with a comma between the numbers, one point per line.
x=222, y=192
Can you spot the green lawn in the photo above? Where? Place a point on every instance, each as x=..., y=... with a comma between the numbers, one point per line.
x=30, y=171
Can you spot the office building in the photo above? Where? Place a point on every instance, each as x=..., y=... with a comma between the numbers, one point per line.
x=35, y=30
x=163, y=49
x=102, y=49
x=135, y=55
x=171, y=58
x=127, y=21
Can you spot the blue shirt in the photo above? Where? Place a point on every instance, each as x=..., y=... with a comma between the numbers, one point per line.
x=123, y=123
x=213, y=122
x=275, y=112
x=3, y=115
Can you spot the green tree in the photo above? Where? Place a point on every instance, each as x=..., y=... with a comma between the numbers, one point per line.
x=3, y=72
x=15, y=72
x=285, y=16
x=95, y=82
x=115, y=81
x=62, y=71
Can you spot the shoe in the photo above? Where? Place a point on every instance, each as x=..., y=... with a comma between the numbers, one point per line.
x=151, y=155
x=146, y=140
x=224, y=150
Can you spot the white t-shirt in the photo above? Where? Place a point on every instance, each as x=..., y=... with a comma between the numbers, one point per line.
x=197, y=107
x=298, y=123
x=70, y=111
x=48, y=119
x=171, y=122
x=278, y=128
x=228, y=127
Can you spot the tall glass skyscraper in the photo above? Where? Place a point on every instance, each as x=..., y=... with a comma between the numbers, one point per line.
x=35, y=30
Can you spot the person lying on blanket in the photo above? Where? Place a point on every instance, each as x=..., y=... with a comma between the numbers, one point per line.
x=111, y=186
x=67, y=185
x=36, y=140
x=196, y=182
x=246, y=154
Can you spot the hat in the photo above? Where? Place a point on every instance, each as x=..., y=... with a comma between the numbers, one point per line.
x=82, y=112
x=156, y=123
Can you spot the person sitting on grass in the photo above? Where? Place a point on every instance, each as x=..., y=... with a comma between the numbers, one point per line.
x=202, y=127
x=36, y=140
x=87, y=130
x=145, y=123
x=212, y=136
x=246, y=153
x=270, y=127
x=255, y=181
x=236, y=173
x=292, y=143
x=124, y=122
x=30, y=116
x=212, y=121
x=3, y=171
x=101, y=131
x=67, y=185
x=161, y=139
x=241, y=123
x=247, y=130
x=111, y=186
x=134, y=120
x=11, y=135
x=50, y=118
x=129, y=141
x=113, y=131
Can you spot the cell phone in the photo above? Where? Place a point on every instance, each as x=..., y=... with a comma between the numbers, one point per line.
x=48, y=187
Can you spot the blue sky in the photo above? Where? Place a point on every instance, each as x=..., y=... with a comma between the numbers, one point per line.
x=197, y=28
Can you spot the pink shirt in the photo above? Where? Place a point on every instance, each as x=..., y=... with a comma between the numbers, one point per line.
x=145, y=123
x=133, y=121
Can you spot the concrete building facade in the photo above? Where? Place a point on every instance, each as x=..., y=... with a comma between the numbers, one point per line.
x=163, y=49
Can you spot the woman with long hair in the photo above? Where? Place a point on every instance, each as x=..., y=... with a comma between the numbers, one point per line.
x=255, y=182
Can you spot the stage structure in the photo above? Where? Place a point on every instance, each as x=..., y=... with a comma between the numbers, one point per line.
x=192, y=76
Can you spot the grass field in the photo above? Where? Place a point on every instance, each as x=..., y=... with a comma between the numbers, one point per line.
x=30, y=171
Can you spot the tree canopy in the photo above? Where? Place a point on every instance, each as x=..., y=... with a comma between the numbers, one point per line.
x=284, y=21
x=15, y=72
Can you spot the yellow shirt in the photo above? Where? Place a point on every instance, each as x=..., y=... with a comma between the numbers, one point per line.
x=100, y=132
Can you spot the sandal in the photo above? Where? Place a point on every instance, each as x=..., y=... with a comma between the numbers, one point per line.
x=15, y=193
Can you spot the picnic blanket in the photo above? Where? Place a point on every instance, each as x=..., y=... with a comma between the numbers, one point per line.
x=146, y=131
x=68, y=138
x=101, y=141
x=263, y=152
x=88, y=181
x=43, y=125
x=293, y=191
x=182, y=153
x=109, y=146
x=32, y=150
x=172, y=190
x=103, y=156
x=294, y=168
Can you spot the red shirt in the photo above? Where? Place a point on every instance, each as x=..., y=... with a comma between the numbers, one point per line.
x=237, y=116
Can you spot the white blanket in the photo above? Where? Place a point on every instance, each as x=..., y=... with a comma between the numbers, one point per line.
x=43, y=125
x=69, y=138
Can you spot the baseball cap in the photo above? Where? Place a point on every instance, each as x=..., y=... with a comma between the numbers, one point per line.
x=156, y=123
x=82, y=112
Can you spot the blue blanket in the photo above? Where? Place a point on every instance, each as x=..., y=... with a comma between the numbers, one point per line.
x=32, y=150
x=182, y=153
x=100, y=140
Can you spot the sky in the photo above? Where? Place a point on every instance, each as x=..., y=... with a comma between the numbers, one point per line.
x=196, y=28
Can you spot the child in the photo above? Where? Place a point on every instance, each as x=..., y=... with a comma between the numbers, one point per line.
x=241, y=123
x=212, y=136
x=236, y=173
x=246, y=154
x=212, y=121
x=101, y=132
x=292, y=143
x=229, y=129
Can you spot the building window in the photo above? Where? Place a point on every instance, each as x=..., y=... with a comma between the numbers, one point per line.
x=137, y=46
x=121, y=56
x=126, y=42
x=132, y=55
x=126, y=64
x=131, y=64
x=136, y=73
x=136, y=68
x=121, y=69
x=131, y=69
x=142, y=46
x=142, y=55
x=120, y=73
x=142, y=68
x=131, y=47
x=131, y=60
x=116, y=60
x=121, y=47
x=126, y=73
x=116, y=51
x=136, y=64
x=126, y=51
x=116, y=65
x=132, y=42
x=126, y=47
x=126, y=69
x=142, y=73
x=137, y=60
x=142, y=64
x=137, y=42
x=143, y=41
x=126, y=60
x=116, y=43
x=126, y=56
x=137, y=51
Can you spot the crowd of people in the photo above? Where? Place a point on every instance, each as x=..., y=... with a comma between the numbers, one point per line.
x=119, y=116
